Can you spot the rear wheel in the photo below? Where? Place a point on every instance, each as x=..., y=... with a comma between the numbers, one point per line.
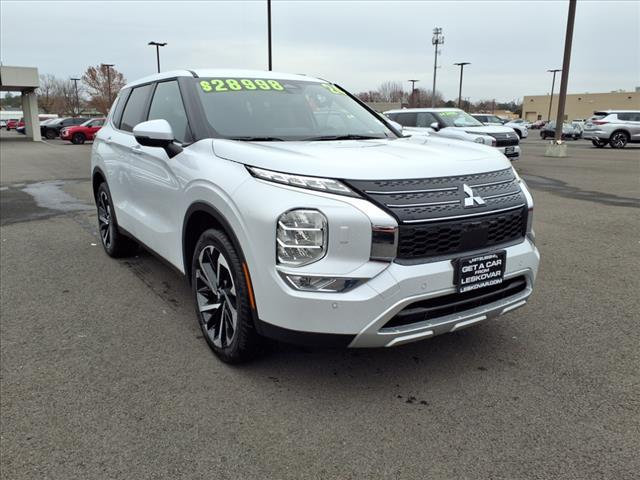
x=223, y=305
x=78, y=138
x=114, y=243
x=599, y=143
x=619, y=139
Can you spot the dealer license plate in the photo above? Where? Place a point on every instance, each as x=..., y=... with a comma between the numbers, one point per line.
x=480, y=271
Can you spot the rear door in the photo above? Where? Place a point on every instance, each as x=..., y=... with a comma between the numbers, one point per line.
x=630, y=122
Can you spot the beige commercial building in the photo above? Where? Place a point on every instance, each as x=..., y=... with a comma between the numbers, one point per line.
x=579, y=105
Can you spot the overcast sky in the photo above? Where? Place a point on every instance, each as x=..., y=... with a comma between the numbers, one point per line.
x=357, y=44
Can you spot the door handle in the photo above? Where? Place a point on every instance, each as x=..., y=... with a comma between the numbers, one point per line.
x=107, y=140
x=137, y=149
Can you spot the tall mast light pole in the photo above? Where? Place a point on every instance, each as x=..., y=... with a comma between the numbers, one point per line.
x=157, y=45
x=553, y=84
x=461, y=65
x=436, y=40
x=413, y=91
x=269, y=32
x=75, y=81
x=564, y=79
x=108, y=66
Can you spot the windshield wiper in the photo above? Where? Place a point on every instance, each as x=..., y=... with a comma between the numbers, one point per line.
x=257, y=139
x=349, y=136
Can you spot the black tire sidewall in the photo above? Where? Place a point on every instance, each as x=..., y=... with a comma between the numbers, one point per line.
x=121, y=245
x=77, y=139
x=49, y=134
x=616, y=134
x=242, y=347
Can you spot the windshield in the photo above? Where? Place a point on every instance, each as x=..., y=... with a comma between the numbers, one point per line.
x=458, y=118
x=268, y=109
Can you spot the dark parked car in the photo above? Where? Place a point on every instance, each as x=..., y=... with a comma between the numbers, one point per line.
x=52, y=130
x=568, y=131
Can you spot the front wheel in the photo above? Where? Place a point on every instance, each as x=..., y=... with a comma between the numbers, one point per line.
x=50, y=134
x=618, y=140
x=222, y=298
x=78, y=139
x=599, y=143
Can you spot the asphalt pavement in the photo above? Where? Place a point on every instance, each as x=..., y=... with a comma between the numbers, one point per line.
x=104, y=373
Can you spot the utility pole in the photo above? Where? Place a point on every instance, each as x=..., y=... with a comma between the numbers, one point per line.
x=157, y=45
x=564, y=79
x=75, y=81
x=109, y=65
x=413, y=92
x=461, y=65
x=553, y=84
x=436, y=40
x=269, y=32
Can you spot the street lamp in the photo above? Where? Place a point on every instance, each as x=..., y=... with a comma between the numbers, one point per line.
x=108, y=66
x=157, y=45
x=269, y=31
x=75, y=81
x=461, y=65
x=413, y=91
x=553, y=84
x=436, y=40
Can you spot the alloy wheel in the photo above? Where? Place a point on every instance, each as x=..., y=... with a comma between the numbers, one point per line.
x=104, y=219
x=619, y=140
x=216, y=297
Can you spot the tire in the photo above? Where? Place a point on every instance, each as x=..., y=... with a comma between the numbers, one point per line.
x=114, y=243
x=78, y=138
x=599, y=143
x=519, y=133
x=618, y=139
x=220, y=292
x=50, y=134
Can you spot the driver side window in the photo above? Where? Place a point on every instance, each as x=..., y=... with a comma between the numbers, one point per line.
x=167, y=105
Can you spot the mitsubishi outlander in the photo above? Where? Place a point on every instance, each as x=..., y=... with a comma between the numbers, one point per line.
x=298, y=213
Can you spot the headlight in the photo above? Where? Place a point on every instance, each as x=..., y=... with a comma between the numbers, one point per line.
x=301, y=237
x=312, y=183
x=479, y=140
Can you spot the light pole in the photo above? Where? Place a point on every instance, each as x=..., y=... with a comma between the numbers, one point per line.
x=553, y=84
x=413, y=92
x=269, y=31
x=436, y=40
x=461, y=65
x=157, y=45
x=75, y=81
x=109, y=65
x=564, y=79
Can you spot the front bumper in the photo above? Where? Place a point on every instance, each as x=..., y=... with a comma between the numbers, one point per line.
x=360, y=315
x=512, y=152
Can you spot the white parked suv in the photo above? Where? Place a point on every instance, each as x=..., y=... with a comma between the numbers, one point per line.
x=489, y=119
x=297, y=213
x=459, y=125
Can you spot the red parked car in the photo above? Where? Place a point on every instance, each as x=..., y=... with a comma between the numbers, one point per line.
x=78, y=134
x=13, y=123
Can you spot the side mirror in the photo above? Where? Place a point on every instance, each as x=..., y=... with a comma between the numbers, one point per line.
x=435, y=127
x=157, y=133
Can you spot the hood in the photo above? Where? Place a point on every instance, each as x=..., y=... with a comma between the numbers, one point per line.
x=488, y=129
x=420, y=157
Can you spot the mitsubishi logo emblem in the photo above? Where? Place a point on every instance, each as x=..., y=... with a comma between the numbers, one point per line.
x=471, y=200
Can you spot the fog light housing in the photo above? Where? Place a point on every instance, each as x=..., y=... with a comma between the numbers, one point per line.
x=316, y=283
x=301, y=237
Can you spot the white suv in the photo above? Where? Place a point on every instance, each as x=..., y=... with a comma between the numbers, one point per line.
x=297, y=213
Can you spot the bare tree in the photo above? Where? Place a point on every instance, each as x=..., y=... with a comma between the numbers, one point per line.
x=391, y=91
x=66, y=103
x=46, y=93
x=422, y=98
x=103, y=84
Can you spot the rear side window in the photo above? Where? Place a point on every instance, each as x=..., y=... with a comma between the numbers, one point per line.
x=167, y=105
x=136, y=109
x=407, y=119
x=117, y=112
x=629, y=117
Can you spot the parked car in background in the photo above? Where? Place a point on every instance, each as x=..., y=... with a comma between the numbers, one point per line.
x=490, y=119
x=12, y=124
x=52, y=130
x=615, y=127
x=3, y=124
x=79, y=134
x=538, y=124
x=20, y=126
x=459, y=125
x=568, y=131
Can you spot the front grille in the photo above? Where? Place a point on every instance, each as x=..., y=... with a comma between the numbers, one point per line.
x=505, y=139
x=435, y=219
x=456, y=302
x=457, y=236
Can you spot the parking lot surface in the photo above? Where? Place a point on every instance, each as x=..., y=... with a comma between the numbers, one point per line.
x=104, y=373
